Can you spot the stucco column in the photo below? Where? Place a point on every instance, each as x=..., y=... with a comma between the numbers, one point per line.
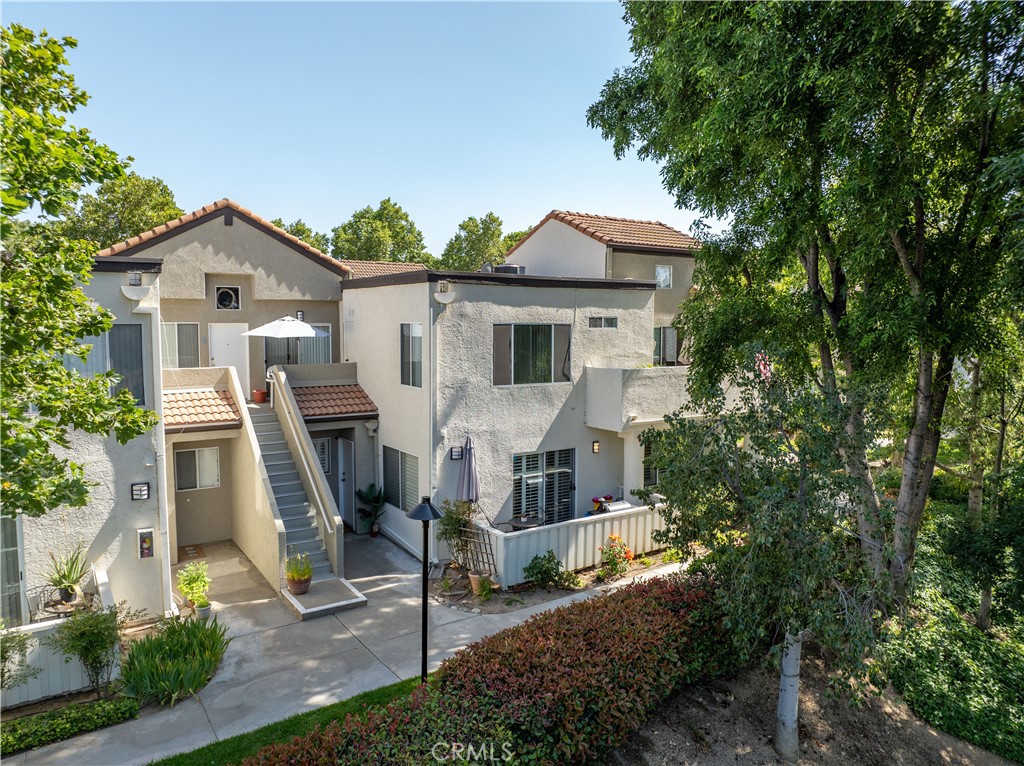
x=632, y=465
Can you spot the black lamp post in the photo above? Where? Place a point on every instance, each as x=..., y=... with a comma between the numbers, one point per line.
x=426, y=512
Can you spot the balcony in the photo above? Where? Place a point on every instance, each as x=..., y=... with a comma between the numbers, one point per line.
x=617, y=399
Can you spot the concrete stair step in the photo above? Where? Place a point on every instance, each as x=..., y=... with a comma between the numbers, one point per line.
x=299, y=524
x=290, y=499
x=286, y=486
x=327, y=594
x=302, y=535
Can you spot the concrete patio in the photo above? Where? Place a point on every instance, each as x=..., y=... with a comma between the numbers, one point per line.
x=277, y=666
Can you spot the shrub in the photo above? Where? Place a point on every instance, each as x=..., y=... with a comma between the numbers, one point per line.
x=193, y=580
x=546, y=571
x=616, y=557
x=298, y=567
x=37, y=730
x=948, y=488
x=176, y=662
x=454, y=527
x=94, y=637
x=14, y=667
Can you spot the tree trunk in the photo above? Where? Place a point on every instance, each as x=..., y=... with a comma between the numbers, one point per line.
x=787, y=713
x=984, y=609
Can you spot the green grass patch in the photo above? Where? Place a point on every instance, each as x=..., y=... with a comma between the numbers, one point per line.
x=234, y=749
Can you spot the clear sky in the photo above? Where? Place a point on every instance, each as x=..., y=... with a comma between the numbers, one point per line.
x=314, y=110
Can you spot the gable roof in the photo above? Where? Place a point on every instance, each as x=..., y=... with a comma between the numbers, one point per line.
x=343, y=401
x=620, y=232
x=196, y=408
x=220, y=208
x=364, y=269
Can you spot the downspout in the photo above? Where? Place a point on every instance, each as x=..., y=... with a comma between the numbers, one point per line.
x=160, y=447
x=433, y=415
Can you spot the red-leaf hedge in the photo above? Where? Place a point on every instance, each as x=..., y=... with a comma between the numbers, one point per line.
x=564, y=687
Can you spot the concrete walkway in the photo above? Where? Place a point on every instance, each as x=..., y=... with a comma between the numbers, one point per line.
x=277, y=666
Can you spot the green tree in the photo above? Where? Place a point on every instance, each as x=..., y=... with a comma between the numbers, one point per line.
x=301, y=229
x=384, y=234
x=852, y=148
x=45, y=313
x=120, y=209
x=478, y=241
x=511, y=239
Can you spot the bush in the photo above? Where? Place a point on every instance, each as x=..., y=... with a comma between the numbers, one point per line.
x=42, y=729
x=546, y=572
x=194, y=580
x=14, y=667
x=948, y=488
x=94, y=637
x=566, y=686
x=454, y=527
x=175, y=663
x=616, y=557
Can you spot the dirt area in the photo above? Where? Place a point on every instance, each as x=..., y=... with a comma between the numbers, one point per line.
x=731, y=722
x=452, y=588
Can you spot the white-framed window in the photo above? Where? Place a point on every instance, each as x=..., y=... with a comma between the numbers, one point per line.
x=605, y=322
x=663, y=276
x=196, y=468
x=531, y=353
x=119, y=349
x=650, y=472
x=322, y=448
x=179, y=344
x=666, y=346
x=299, y=350
x=401, y=478
x=543, y=484
x=13, y=605
x=227, y=297
x=412, y=354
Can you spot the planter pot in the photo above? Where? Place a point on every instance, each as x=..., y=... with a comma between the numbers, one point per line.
x=374, y=529
x=475, y=580
x=298, y=587
x=203, y=612
x=259, y=396
x=67, y=595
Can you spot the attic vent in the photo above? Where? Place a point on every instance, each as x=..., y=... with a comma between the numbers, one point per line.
x=228, y=298
x=510, y=268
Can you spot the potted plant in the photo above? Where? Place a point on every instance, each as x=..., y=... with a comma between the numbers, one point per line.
x=374, y=497
x=67, y=573
x=298, y=573
x=202, y=607
x=193, y=581
x=480, y=582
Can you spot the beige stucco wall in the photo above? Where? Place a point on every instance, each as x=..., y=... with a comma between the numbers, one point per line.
x=556, y=249
x=625, y=265
x=204, y=515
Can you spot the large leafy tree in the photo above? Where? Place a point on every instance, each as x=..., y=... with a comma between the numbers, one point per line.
x=303, y=231
x=384, y=233
x=478, y=241
x=120, y=209
x=852, y=148
x=45, y=313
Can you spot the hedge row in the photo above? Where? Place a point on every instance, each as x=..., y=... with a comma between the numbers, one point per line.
x=44, y=728
x=567, y=686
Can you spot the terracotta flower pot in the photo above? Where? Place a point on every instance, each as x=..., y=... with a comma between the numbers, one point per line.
x=259, y=396
x=476, y=579
x=298, y=587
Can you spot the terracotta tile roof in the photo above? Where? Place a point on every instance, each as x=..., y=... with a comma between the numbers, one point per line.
x=362, y=269
x=623, y=232
x=206, y=210
x=199, y=407
x=321, y=401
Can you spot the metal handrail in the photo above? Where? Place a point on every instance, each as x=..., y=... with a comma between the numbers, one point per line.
x=302, y=454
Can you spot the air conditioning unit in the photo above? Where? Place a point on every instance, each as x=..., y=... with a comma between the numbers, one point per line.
x=510, y=268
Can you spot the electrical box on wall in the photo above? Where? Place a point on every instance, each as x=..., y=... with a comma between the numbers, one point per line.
x=146, y=543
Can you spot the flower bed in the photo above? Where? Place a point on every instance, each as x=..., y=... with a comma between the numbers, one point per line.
x=564, y=687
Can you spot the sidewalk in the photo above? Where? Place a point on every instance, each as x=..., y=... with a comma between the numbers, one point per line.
x=277, y=666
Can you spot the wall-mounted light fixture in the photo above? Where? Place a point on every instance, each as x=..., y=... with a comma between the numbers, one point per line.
x=596, y=447
x=456, y=453
x=135, y=279
x=300, y=315
x=140, y=490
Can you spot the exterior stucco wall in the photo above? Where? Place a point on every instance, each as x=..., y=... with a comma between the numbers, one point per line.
x=204, y=515
x=108, y=523
x=555, y=249
x=625, y=265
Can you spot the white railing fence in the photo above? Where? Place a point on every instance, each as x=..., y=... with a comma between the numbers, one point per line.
x=574, y=542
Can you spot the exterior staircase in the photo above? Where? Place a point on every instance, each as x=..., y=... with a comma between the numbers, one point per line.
x=297, y=513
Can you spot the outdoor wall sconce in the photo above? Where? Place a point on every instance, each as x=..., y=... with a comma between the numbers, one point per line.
x=456, y=453
x=146, y=543
x=135, y=279
x=140, y=490
x=300, y=315
x=596, y=447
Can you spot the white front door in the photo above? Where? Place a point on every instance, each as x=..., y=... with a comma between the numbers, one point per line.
x=346, y=482
x=229, y=348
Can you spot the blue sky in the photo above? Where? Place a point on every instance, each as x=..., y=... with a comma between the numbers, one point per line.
x=313, y=110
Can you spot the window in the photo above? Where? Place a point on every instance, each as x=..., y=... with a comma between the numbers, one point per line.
x=543, y=484
x=11, y=600
x=530, y=353
x=299, y=350
x=196, y=468
x=322, y=448
x=227, y=298
x=607, y=322
x=120, y=350
x=401, y=479
x=412, y=354
x=666, y=346
x=663, y=276
x=650, y=472
x=179, y=344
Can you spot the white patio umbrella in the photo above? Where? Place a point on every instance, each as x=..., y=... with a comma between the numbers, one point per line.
x=469, y=481
x=286, y=327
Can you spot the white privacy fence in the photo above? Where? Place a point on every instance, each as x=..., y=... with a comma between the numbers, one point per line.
x=574, y=542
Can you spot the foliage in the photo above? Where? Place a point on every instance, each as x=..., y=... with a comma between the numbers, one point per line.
x=486, y=589
x=201, y=602
x=384, y=234
x=176, y=662
x=298, y=566
x=376, y=498
x=957, y=678
x=14, y=667
x=68, y=570
x=478, y=241
x=194, y=580
x=454, y=528
x=546, y=572
x=565, y=687
x=615, y=558
x=673, y=556
x=301, y=229
x=41, y=729
x=94, y=637
x=119, y=210
x=46, y=314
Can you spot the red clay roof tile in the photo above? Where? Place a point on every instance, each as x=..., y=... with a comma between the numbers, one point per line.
x=199, y=408
x=622, y=232
x=321, y=401
x=363, y=269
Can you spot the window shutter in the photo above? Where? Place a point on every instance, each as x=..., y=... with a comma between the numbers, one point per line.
x=126, y=358
x=316, y=350
x=410, y=481
x=502, y=354
x=393, y=476
x=322, y=447
x=10, y=569
x=95, y=363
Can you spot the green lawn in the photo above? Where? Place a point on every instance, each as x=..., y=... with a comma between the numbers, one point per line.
x=233, y=750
